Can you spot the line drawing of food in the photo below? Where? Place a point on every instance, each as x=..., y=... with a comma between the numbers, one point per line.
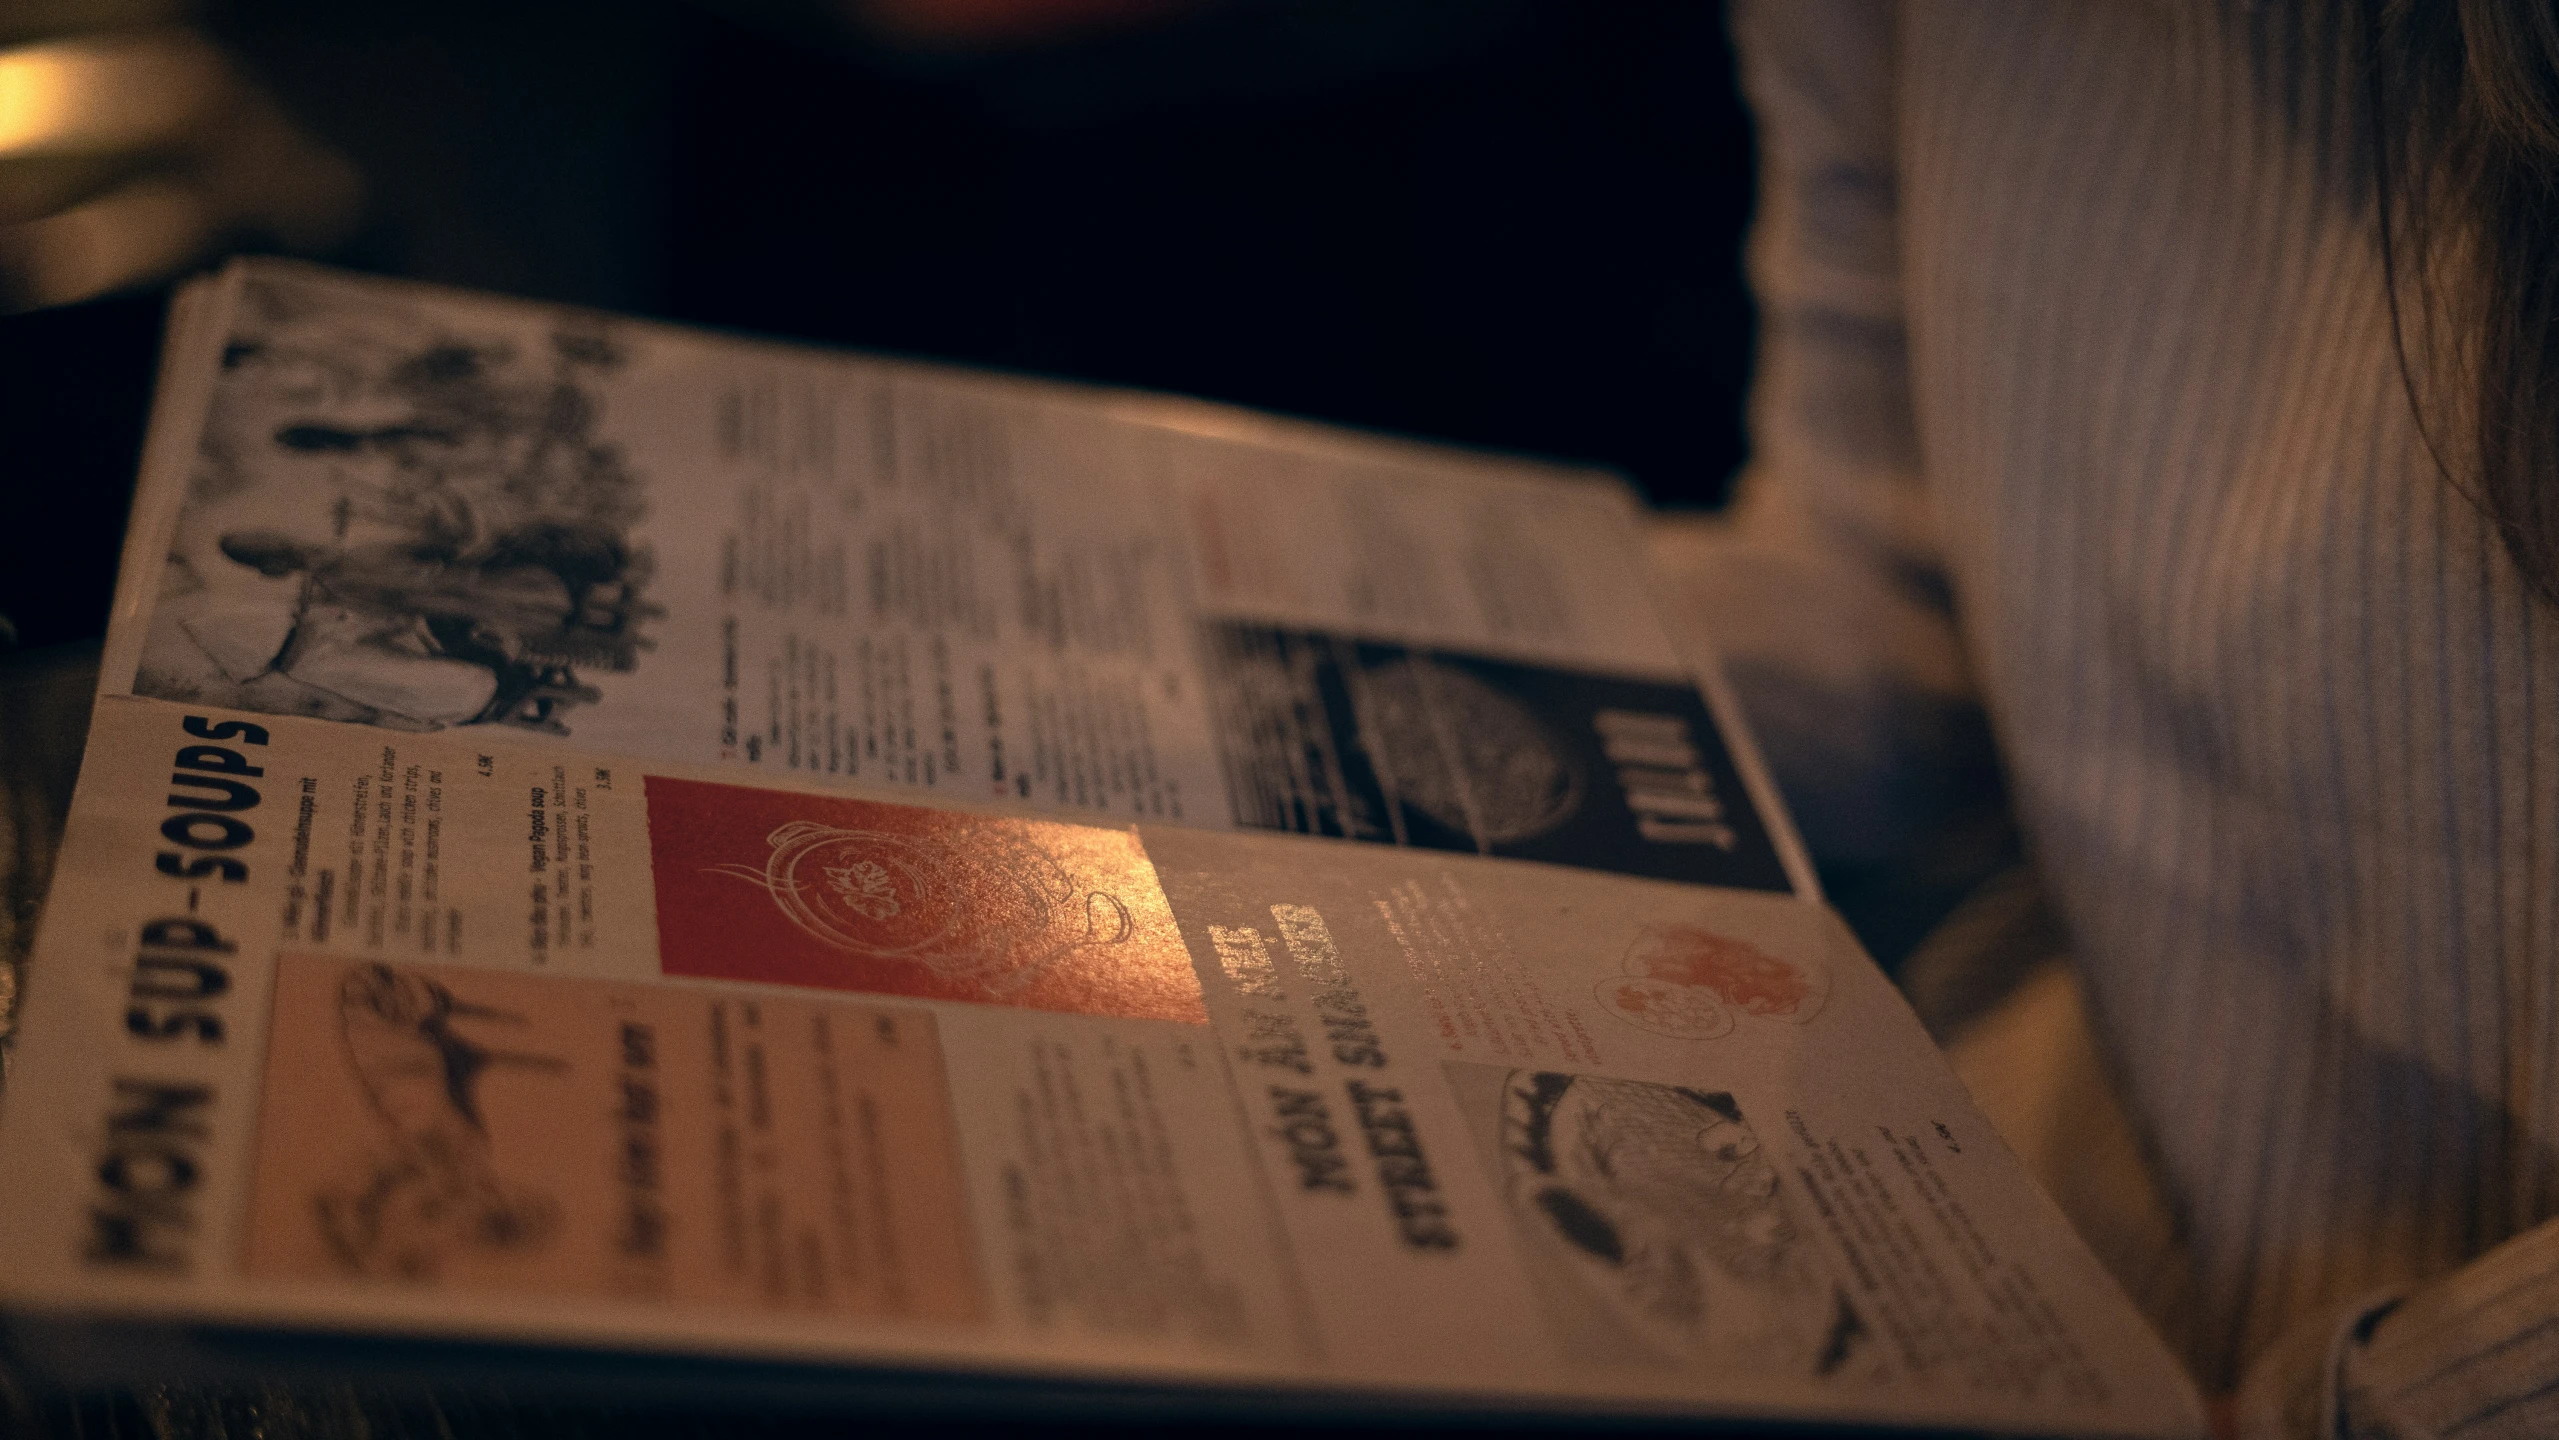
x=1658, y=1200
x=435, y=1188
x=987, y=906
x=1689, y=983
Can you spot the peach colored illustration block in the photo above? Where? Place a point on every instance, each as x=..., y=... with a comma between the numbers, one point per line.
x=478, y=1131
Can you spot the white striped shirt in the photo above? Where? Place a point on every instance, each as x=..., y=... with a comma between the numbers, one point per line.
x=2078, y=399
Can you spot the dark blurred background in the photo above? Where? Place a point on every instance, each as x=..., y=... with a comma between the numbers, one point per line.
x=1507, y=223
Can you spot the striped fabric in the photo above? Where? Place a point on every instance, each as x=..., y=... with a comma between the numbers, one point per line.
x=2079, y=402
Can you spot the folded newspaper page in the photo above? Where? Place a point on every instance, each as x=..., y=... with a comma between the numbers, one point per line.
x=606, y=837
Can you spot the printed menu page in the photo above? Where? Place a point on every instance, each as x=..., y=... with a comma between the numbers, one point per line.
x=455, y=1035
x=606, y=836
x=430, y=512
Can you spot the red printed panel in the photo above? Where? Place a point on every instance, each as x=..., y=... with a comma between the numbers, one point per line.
x=434, y=1128
x=844, y=894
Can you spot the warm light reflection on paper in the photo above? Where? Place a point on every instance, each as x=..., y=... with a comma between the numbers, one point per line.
x=842, y=894
x=1191, y=417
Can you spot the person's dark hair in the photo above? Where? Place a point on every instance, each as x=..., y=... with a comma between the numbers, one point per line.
x=2463, y=105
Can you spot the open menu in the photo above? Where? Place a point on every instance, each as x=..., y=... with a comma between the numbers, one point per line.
x=606, y=838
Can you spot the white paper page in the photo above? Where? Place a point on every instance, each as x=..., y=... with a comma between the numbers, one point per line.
x=403, y=507
x=455, y=1036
